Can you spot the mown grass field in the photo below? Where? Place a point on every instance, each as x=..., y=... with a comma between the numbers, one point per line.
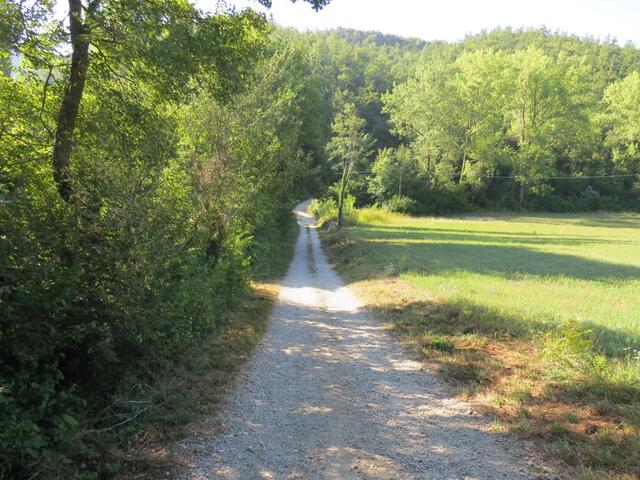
x=518, y=272
x=536, y=318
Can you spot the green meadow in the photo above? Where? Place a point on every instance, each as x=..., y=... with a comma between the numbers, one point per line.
x=514, y=273
x=533, y=318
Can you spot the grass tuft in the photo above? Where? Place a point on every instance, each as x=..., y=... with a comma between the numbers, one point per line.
x=193, y=388
x=535, y=319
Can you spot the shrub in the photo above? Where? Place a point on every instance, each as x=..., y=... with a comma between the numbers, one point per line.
x=400, y=204
x=551, y=203
x=327, y=209
x=323, y=210
x=589, y=200
x=442, y=202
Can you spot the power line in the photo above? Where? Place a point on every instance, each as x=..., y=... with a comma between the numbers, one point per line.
x=568, y=177
x=556, y=177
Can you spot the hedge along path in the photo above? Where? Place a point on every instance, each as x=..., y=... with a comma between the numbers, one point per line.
x=329, y=394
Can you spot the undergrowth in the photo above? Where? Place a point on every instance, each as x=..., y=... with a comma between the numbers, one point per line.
x=193, y=384
x=191, y=389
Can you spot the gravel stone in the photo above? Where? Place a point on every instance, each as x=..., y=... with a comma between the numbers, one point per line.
x=328, y=394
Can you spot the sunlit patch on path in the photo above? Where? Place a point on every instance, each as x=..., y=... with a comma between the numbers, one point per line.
x=329, y=394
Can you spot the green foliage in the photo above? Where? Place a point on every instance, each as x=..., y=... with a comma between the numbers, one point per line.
x=548, y=112
x=326, y=210
x=503, y=113
x=622, y=120
x=569, y=348
x=397, y=172
x=452, y=111
x=348, y=146
x=184, y=176
x=444, y=201
x=400, y=204
x=349, y=142
x=491, y=110
x=449, y=116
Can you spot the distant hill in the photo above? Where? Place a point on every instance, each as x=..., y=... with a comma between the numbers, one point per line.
x=377, y=38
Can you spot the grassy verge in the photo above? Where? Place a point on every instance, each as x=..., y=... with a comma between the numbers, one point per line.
x=534, y=319
x=193, y=385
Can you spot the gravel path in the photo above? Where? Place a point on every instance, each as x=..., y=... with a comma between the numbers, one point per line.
x=330, y=395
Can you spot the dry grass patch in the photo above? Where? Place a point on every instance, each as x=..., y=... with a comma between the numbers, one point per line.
x=466, y=311
x=508, y=378
x=194, y=386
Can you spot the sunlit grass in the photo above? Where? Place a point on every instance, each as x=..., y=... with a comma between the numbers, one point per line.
x=529, y=272
x=535, y=319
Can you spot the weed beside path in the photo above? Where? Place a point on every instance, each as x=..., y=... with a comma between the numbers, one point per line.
x=535, y=318
x=194, y=385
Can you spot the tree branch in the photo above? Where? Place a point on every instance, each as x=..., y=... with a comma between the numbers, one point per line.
x=72, y=96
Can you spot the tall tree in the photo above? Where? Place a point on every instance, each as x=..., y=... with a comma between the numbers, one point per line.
x=121, y=39
x=454, y=113
x=548, y=109
x=480, y=90
x=348, y=145
x=622, y=119
x=419, y=110
x=123, y=36
x=396, y=172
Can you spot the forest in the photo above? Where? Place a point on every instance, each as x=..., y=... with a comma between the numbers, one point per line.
x=150, y=155
x=504, y=120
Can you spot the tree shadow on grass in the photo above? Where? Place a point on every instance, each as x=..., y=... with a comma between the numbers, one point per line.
x=508, y=261
x=453, y=235
x=453, y=332
x=625, y=222
x=466, y=318
x=602, y=220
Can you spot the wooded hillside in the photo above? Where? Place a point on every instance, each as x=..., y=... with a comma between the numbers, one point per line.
x=497, y=121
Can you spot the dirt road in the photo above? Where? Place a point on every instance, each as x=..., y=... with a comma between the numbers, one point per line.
x=330, y=395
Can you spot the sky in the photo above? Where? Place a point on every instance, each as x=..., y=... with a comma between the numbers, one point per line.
x=451, y=20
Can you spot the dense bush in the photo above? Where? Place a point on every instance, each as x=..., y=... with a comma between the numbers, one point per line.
x=326, y=210
x=179, y=198
x=442, y=202
x=461, y=200
x=400, y=204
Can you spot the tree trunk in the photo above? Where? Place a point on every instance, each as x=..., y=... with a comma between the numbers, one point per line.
x=343, y=192
x=464, y=163
x=72, y=96
x=521, y=193
x=428, y=173
x=213, y=249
